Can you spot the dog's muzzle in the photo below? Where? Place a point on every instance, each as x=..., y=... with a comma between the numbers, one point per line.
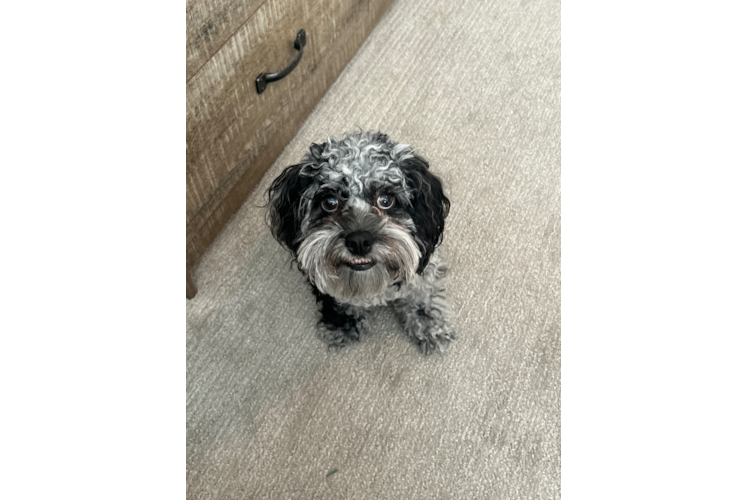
x=359, y=244
x=362, y=265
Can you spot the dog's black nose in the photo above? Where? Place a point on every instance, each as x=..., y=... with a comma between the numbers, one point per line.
x=359, y=242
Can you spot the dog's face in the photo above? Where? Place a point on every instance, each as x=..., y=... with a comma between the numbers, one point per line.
x=359, y=213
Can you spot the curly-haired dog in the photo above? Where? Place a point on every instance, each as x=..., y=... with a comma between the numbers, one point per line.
x=363, y=217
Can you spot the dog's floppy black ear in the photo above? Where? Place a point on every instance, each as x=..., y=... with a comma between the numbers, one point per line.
x=429, y=206
x=284, y=199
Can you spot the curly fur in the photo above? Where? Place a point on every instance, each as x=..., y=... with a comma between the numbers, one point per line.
x=406, y=270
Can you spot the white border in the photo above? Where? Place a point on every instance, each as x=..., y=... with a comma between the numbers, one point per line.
x=654, y=24
x=611, y=85
x=621, y=72
x=658, y=84
x=569, y=278
x=567, y=343
x=659, y=102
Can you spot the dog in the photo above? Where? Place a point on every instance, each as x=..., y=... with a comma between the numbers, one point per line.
x=363, y=217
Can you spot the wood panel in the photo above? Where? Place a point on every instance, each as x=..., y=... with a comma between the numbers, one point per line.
x=210, y=24
x=234, y=134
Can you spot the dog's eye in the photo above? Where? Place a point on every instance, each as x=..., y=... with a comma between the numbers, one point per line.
x=385, y=201
x=330, y=204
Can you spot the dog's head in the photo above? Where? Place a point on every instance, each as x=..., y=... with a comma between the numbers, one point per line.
x=359, y=213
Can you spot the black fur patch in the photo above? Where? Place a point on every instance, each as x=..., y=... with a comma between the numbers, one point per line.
x=333, y=314
x=429, y=206
x=284, y=196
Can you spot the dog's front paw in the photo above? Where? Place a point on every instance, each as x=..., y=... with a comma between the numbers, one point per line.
x=435, y=337
x=429, y=332
x=337, y=336
x=340, y=324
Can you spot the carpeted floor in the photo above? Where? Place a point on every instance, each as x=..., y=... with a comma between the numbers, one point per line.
x=271, y=413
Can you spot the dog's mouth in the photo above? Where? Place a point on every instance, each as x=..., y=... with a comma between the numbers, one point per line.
x=360, y=264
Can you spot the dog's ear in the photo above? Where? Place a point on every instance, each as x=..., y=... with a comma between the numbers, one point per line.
x=284, y=200
x=429, y=206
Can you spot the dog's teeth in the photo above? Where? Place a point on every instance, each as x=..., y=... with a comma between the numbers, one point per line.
x=360, y=261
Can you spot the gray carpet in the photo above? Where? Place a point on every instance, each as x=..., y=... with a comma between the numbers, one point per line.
x=475, y=88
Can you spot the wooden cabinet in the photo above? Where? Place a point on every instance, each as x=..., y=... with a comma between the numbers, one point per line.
x=233, y=133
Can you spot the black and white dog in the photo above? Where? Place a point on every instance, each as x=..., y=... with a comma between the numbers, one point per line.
x=363, y=217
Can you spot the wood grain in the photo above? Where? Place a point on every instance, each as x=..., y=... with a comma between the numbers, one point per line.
x=210, y=24
x=234, y=134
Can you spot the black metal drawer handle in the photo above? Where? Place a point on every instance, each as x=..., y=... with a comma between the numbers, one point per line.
x=265, y=78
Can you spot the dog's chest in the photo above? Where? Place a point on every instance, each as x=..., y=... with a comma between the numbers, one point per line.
x=390, y=294
x=416, y=290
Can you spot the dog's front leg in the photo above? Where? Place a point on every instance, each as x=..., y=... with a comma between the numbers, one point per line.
x=341, y=324
x=425, y=312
